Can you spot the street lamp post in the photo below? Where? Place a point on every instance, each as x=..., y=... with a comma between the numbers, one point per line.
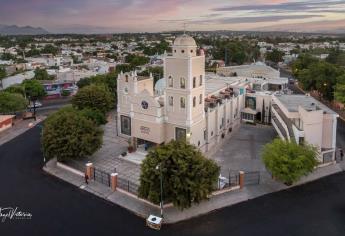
x=159, y=166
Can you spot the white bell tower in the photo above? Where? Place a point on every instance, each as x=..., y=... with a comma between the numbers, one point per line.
x=184, y=71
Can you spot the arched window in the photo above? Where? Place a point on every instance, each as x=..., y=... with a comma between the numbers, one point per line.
x=200, y=80
x=200, y=99
x=126, y=78
x=194, y=82
x=171, y=101
x=182, y=83
x=183, y=102
x=171, y=81
x=194, y=101
x=182, y=51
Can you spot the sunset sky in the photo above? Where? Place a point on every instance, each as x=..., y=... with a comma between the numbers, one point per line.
x=102, y=16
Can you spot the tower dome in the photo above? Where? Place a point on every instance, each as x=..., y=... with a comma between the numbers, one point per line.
x=184, y=40
x=160, y=86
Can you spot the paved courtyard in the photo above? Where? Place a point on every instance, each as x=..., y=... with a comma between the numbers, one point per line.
x=242, y=150
x=107, y=158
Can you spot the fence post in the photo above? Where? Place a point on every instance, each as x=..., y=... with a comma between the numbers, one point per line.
x=89, y=170
x=229, y=178
x=259, y=177
x=113, y=181
x=241, y=182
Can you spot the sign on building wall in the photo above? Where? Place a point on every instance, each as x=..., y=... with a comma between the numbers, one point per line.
x=144, y=130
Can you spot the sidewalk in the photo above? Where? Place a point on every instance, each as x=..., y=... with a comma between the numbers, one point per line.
x=143, y=208
x=20, y=126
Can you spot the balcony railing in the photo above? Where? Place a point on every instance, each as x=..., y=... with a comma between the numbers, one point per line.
x=286, y=120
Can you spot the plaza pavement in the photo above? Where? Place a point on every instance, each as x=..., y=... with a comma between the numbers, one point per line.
x=107, y=157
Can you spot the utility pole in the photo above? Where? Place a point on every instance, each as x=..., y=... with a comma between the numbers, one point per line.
x=159, y=166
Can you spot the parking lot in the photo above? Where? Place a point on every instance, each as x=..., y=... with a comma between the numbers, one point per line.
x=243, y=150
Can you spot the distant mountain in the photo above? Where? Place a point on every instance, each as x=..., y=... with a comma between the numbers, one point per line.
x=18, y=30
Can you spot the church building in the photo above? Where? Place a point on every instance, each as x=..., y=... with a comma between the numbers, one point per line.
x=183, y=105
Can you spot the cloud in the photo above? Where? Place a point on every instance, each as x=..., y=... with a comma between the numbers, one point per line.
x=316, y=26
x=266, y=18
x=154, y=15
x=283, y=7
x=255, y=19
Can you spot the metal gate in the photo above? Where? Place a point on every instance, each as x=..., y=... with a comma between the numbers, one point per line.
x=252, y=178
x=101, y=176
x=127, y=185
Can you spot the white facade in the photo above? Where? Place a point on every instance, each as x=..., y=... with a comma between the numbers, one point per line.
x=184, y=108
x=255, y=70
x=303, y=119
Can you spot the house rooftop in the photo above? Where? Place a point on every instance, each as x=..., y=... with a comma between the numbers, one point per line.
x=292, y=102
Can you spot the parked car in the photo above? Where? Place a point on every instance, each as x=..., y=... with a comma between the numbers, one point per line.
x=37, y=104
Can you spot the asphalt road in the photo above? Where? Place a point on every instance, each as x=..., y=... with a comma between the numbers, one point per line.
x=59, y=208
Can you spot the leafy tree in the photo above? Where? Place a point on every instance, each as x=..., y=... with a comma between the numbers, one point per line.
x=34, y=91
x=275, y=56
x=16, y=88
x=11, y=102
x=235, y=52
x=320, y=76
x=65, y=93
x=41, y=74
x=67, y=134
x=2, y=72
x=123, y=68
x=157, y=72
x=135, y=60
x=84, y=82
x=109, y=80
x=94, y=97
x=314, y=74
x=50, y=49
x=33, y=52
x=340, y=89
x=94, y=115
x=159, y=48
x=188, y=177
x=288, y=161
x=8, y=57
x=111, y=56
x=337, y=57
x=303, y=62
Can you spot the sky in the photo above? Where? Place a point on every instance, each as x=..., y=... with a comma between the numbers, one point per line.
x=106, y=16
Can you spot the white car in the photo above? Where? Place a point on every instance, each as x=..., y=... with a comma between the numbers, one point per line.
x=37, y=104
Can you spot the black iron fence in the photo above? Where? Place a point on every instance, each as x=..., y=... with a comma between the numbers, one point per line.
x=101, y=176
x=327, y=158
x=233, y=179
x=227, y=182
x=252, y=178
x=127, y=185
